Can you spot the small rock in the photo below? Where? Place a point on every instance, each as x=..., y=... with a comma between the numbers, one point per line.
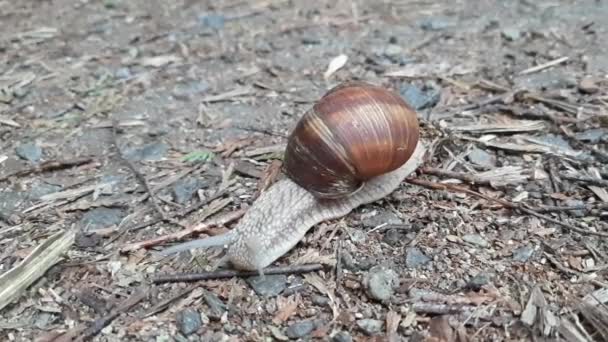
x=367, y=263
x=348, y=261
x=546, y=80
x=433, y=24
x=394, y=237
x=383, y=217
x=415, y=258
x=310, y=40
x=186, y=91
x=152, y=152
x=381, y=283
x=300, y=329
x=42, y=189
x=30, y=152
x=478, y=281
x=593, y=135
x=418, y=98
x=319, y=300
x=183, y=189
x=588, y=85
x=511, y=33
x=100, y=218
x=370, y=326
x=556, y=141
x=476, y=240
x=189, y=321
x=342, y=336
x=217, y=308
x=269, y=285
x=123, y=73
x=574, y=203
x=212, y=21
x=522, y=254
x=482, y=158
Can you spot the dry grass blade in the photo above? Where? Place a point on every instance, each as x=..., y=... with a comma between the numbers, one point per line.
x=20, y=277
x=513, y=127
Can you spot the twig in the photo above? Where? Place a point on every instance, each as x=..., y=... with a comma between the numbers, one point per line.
x=190, y=277
x=104, y=321
x=162, y=305
x=141, y=178
x=456, y=175
x=199, y=228
x=51, y=165
x=583, y=179
x=506, y=204
x=544, y=65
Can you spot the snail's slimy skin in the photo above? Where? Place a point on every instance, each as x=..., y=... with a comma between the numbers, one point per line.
x=282, y=215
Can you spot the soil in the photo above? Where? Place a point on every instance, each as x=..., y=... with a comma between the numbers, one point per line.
x=122, y=121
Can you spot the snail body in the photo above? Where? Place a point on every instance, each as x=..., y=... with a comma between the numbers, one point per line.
x=354, y=146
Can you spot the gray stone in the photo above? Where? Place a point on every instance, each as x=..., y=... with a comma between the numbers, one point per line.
x=268, y=285
x=184, y=188
x=348, y=262
x=217, y=308
x=29, y=151
x=478, y=281
x=551, y=79
x=319, y=300
x=575, y=203
x=212, y=21
x=593, y=135
x=370, y=326
x=418, y=98
x=415, y=258
x=123, y=73
x=383, y=217
x=381, y=283
x=300, y=329
x=188, y=90
x=100, y=218
x=434, y=24
x=188, y=321
x=41, y=189
x=482, y=157
x=475, y=239
x=342, y=336
x=511, y=33
x=522, y=254
x=152, y=152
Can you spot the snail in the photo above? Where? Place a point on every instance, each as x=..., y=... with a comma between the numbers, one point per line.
x=354, y=146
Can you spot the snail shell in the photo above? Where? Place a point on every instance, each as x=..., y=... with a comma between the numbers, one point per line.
x=355, y=132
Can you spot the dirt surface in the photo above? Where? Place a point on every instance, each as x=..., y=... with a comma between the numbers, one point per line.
x=103, y=103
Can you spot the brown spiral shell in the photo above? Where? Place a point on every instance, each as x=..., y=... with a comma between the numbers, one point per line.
x=355, y=132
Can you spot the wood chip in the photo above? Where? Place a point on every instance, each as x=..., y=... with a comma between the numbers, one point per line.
x=336, y=64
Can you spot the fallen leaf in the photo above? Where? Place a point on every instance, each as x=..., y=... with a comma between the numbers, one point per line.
x=286, y=310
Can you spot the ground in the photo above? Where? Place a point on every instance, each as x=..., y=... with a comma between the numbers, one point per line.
x=121, y=121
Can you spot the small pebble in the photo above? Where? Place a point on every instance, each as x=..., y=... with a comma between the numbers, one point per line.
x=213, y=21
x=30, y=152
x=300, y=329
x=415, y=258
x=522, y=254
x=381, y=283
x=217, y=308
x=511, y=33
x=102, y=217
x=342, y=336
x=151, y=152
x=482, y=158
x=475, y=239
x=433, y=24
x=270, y=286
x=418, y=98
x=588, y=85
x=319, y=300
x=189, y=321
x=478, y=281
x=370, y=326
